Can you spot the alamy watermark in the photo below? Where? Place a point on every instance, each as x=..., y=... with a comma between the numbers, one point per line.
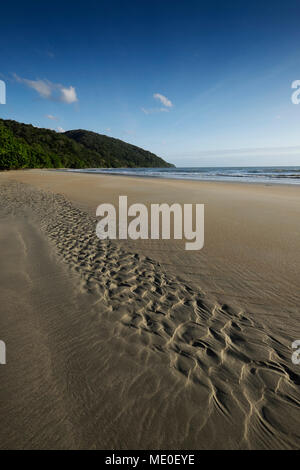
x=296, y=354
x=184, y=226
x=296, y=94
x=2, y=352
x=2, y=92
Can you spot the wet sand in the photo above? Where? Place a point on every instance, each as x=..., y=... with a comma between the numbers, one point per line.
x=141, y=344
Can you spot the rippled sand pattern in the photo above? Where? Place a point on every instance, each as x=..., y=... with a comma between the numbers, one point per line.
x=242, y=370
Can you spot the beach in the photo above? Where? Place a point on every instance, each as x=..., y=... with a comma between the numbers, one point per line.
x=140, y=344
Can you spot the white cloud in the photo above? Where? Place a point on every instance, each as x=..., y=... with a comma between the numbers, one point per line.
x=163, y=99
x=42, y=87
x=50, y=116
x=60, y=129
x=167, y=104
x=68, y=95
x=49, y=90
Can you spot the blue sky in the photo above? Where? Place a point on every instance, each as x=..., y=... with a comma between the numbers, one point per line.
x=199, y=83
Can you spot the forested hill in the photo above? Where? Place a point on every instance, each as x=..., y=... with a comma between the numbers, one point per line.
x=26, y=146
x=116, y=152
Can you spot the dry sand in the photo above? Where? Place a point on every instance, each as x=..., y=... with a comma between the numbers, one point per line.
x=141, y=344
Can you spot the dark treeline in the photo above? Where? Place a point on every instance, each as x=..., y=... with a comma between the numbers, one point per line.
x=26, y=146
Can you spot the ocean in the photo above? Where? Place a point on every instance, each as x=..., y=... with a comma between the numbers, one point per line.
x=275, y=174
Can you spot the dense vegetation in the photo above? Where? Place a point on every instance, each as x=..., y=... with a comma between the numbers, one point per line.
x=115, y=152
x=26, y=146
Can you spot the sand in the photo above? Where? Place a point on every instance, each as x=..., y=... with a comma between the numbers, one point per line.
x=141, y=344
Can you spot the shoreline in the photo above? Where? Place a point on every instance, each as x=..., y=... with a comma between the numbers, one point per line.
x=265, y=183
x=233, y=181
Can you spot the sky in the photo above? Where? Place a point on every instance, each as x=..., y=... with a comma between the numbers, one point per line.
x=199, y=83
